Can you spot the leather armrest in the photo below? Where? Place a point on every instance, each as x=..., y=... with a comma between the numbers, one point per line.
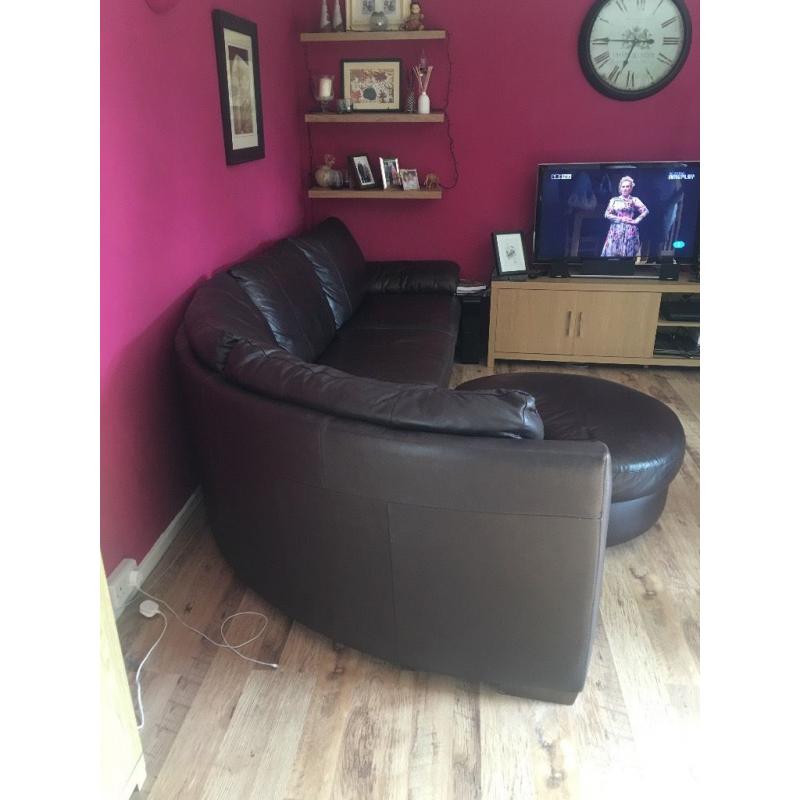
x=394, y=277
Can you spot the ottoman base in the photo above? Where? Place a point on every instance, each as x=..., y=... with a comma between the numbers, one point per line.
x=630, y=518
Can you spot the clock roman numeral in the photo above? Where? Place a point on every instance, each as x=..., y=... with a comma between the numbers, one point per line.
x=601, y=58
x=621, y=6
x=630, y=80
x=658, y=6
x=664, y=59
x=641, y=4
x=669, y=22
x=603, y=40
x=671, y=40
x=600, y=19
x=614, y=74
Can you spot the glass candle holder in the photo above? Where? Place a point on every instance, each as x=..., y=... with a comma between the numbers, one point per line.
x=323, y=90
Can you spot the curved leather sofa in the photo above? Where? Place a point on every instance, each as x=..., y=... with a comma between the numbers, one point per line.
x=429, y=527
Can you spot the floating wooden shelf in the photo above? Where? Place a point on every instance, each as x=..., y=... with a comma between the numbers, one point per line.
x=374, y=194
x=371, y=36
x=375, y=116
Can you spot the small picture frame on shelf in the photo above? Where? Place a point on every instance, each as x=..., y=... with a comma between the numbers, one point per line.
x=359, y=13
x=509, y=253
x=362, y=172
x=410, y=180
x=390, y=173
x=372, y=85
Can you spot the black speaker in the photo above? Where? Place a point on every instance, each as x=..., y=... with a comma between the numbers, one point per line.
x=559, y=270
x=473, y=332
x=668, y=271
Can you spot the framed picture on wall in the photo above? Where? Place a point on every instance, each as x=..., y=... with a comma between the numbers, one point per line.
x=236, y=45
x=358, y=13
x=509, y=253
x=372, y=85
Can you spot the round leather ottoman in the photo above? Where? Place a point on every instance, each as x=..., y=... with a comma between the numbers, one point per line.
x=645, y=438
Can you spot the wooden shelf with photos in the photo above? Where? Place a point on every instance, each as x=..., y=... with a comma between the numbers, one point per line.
x=316, y=193
x=382, y=117
x=372, y=36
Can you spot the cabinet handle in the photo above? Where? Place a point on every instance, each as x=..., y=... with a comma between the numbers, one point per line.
x=580, y=322
x=569, y=321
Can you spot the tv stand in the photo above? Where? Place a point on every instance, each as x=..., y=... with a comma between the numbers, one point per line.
x=584, y=320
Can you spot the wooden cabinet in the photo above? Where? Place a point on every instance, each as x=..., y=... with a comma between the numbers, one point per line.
x=581, y=320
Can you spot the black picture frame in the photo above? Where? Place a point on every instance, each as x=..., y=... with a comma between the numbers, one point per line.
x=363, y=174
x=506, y=264
x=242, y=126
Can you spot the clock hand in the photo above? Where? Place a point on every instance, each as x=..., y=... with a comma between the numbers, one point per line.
x=627, y=58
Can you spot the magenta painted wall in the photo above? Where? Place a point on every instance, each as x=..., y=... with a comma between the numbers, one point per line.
x=518, y=98
x=172, y=212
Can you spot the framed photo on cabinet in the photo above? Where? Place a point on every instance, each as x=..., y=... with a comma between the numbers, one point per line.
x=509, y=253
x=236, y=45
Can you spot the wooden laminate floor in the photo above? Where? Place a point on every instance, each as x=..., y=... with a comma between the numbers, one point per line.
x=334, y=723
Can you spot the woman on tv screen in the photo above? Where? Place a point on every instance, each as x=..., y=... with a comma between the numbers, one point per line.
x=625, y=213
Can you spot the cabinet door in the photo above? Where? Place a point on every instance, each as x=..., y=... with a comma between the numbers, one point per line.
x=616, y=323
x=533, y=321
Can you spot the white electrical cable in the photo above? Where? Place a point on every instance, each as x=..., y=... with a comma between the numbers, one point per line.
x=225, y=644
x=139, y=671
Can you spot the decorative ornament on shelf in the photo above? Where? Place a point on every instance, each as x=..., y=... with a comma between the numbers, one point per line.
x=378, y=21
x=327, y=177
x=338, y=22
x=322, y=87
x=414, y=20
x=324, y=18
x=411, y=99
x=423, y=72
x=432, y=181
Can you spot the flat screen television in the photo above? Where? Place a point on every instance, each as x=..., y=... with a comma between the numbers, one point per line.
x=616, y=218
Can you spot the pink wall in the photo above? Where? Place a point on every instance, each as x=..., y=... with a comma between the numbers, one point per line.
x=518, y=98
x=172, y=212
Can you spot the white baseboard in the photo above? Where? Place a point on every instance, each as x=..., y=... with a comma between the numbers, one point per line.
x=128, y=574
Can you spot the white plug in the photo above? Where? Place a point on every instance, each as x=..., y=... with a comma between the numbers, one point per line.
x=148, y=608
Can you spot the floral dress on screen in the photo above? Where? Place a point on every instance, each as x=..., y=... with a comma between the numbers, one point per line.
x=623, y=238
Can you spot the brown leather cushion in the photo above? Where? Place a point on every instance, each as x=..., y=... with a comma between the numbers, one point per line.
x=281, y=376
x=284, y=288
x=645, y=438
x=219, y=315
x=339, y=264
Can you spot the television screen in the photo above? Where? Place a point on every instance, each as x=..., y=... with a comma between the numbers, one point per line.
x=648, y=211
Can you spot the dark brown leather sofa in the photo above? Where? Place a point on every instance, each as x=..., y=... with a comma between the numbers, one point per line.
x=347, y=485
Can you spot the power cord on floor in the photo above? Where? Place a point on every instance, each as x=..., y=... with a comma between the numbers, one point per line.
x=150, y=608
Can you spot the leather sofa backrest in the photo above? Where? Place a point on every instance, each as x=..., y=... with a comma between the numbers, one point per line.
x=283, y=286
x=339, y=264
x=281, y=376
x=219, y=315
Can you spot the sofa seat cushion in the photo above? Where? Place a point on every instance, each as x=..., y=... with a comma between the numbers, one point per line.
x=339, y=264
x=422, y=312
x=392, y=354
x=284, y=288
x=280, y=376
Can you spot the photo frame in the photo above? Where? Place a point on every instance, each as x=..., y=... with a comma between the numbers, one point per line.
x=358, y=13
x=509, y=253
x=362, y=172
x=372, y=85
x=390, y=172
x=410, y=180
x=236, y=46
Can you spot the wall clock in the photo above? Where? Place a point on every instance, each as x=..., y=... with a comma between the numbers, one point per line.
x=631, y=49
